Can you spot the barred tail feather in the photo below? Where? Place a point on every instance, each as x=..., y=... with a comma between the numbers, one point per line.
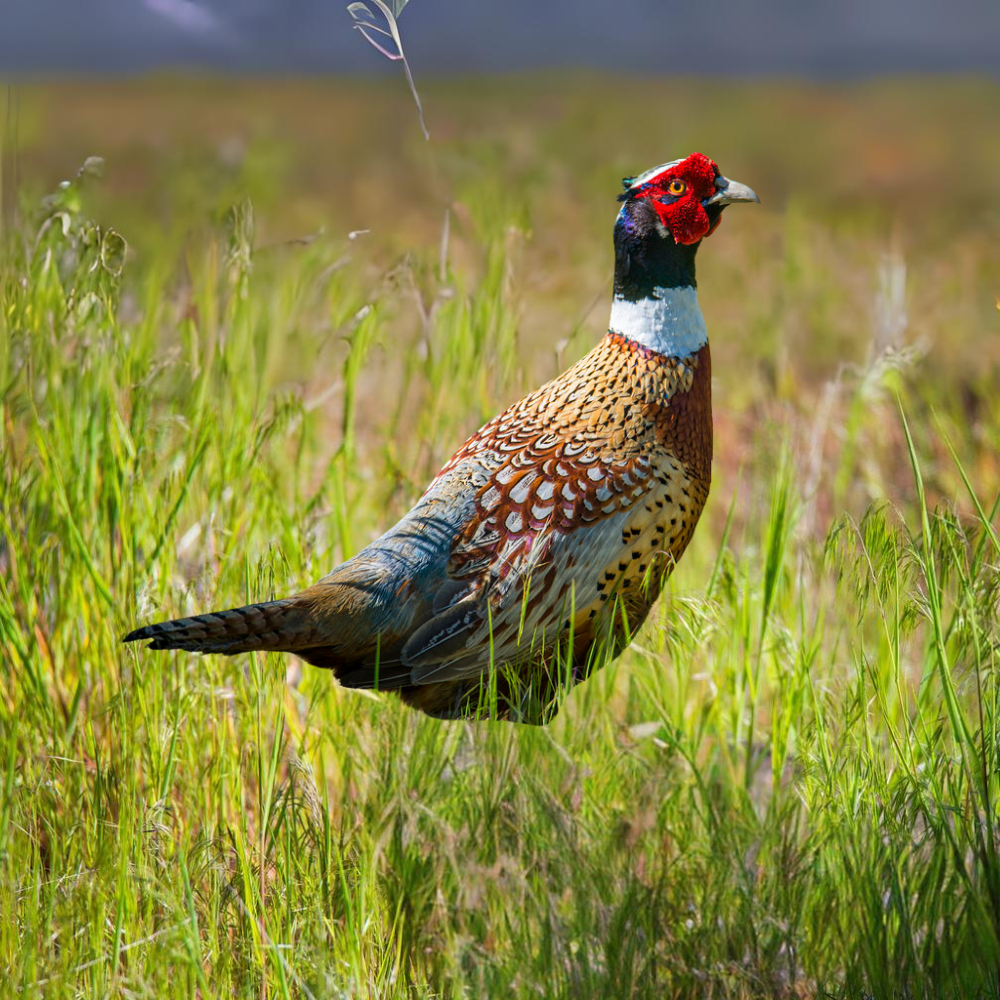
x=283, y=626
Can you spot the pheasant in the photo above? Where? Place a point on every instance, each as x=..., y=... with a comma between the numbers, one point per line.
x=539, y=548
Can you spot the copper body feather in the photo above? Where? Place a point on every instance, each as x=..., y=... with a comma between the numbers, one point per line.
x=542, y=543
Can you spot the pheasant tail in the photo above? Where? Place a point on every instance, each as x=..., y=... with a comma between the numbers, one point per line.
x=283, y=626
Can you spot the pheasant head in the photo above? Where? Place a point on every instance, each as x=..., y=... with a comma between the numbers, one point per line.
x=683, y=199
x=667, y=212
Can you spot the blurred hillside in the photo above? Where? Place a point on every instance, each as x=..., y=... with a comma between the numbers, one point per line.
x=724, y=37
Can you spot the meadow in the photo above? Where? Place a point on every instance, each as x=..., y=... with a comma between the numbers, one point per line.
x=237, y=350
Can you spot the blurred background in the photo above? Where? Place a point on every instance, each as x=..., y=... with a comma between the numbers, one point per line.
x=866, y=127
x=248, y=310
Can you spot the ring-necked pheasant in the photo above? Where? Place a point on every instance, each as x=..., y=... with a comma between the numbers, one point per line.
x=538, y=549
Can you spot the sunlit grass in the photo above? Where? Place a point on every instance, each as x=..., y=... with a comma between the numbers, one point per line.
x=786, y=787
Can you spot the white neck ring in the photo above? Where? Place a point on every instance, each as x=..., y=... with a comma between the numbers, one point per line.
x=669, y=321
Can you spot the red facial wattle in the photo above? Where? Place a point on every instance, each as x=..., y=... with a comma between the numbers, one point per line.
x=684, y=216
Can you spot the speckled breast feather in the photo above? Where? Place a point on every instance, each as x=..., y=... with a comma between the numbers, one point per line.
x=615, y=452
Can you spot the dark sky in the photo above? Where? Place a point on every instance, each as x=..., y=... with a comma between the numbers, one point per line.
x=811, y=37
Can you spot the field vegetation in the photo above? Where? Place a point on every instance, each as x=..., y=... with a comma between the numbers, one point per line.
x=238, y=351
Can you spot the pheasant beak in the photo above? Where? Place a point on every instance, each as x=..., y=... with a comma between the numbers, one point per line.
x=727, y=192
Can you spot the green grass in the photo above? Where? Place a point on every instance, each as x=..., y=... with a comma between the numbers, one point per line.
x=787, y=787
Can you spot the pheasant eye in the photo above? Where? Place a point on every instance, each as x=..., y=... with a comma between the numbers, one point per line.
x=677, y=187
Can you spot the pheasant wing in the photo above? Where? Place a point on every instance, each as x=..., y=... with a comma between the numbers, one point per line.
x=531, y=561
